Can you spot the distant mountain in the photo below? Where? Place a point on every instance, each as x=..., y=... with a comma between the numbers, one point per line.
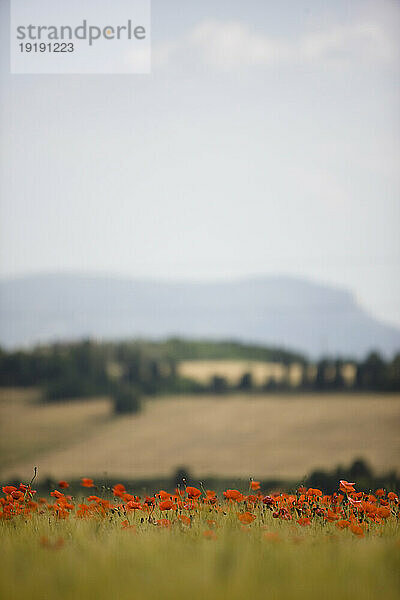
x=279, y=311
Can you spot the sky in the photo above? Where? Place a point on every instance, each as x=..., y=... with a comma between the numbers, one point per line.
x=264, y=141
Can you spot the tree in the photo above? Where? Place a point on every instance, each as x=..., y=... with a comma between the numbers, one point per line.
x=245, y=382
x=126, y=401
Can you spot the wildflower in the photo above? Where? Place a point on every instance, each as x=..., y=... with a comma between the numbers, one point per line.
x=357, y=530
x=132, y=505
x=8, y=489
x=255, y=485
x=345, y=486
x=63, y=484
x=164, y=495
x=166, y=505
x=314, y=492
x=57, y=494
x=86, y=482
x=193, y=492
x=268, y=500
x=331, y=516
x=118, y=490
x=383, y=512
x=304, y=521
x=164, y=523
x=17, y=495
x=246, y=518
x=234, y=495
x=184, y=519
x=342, y=524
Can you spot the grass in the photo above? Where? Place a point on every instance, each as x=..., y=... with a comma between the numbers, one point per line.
x=274, y=558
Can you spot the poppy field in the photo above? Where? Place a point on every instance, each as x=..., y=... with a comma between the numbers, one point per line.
x=191, y=543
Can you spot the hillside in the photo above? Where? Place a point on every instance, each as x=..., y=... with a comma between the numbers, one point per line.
x=277, y=311
x=238, y=436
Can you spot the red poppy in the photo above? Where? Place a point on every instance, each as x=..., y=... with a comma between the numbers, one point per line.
x=166, y=505
x=345, y=486
x=86, y=482
x=193, y=492
x=246, y=518
x=234, y=495
x=118, y=490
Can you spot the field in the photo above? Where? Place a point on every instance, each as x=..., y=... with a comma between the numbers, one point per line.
x=283, y=436
x=192, y=544
x=261, y=372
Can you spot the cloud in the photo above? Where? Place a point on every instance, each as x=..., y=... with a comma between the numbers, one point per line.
x=225, y=46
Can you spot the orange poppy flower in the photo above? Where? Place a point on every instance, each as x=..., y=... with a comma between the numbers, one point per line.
x=345, y=486
x=63, y=484
x=342, y=524
x=166, y=505
x=17, y=495
x=357, y=530
x=246, y=518
x=8, y=489
x=255, y=485
x=184, y=519
x=86, y=482
x=383, y=512
x=314, y=492
x=118, y=490
x=164, y=523
x=57, y=494
x=132, y=505
x=164, y=495
x=234, y=495
x=193, y=492
x=304, y=521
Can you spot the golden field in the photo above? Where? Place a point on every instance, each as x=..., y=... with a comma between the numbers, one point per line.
x=261, y=372
x=283, y=436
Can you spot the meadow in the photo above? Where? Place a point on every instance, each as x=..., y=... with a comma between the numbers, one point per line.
x=270, y=435
x=192, y=544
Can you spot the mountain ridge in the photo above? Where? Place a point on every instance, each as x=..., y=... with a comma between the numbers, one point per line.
x=272, y=310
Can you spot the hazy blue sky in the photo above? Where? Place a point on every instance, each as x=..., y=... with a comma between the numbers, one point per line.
x=266, y=140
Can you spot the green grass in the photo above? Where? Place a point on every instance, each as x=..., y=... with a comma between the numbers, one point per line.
x=101, y=560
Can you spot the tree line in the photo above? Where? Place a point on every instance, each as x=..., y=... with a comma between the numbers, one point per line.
x=127, y=371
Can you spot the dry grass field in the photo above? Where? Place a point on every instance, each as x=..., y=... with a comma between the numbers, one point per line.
x=262, y=372
x=204, y=370
x=238, y=435
x=30, y=429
